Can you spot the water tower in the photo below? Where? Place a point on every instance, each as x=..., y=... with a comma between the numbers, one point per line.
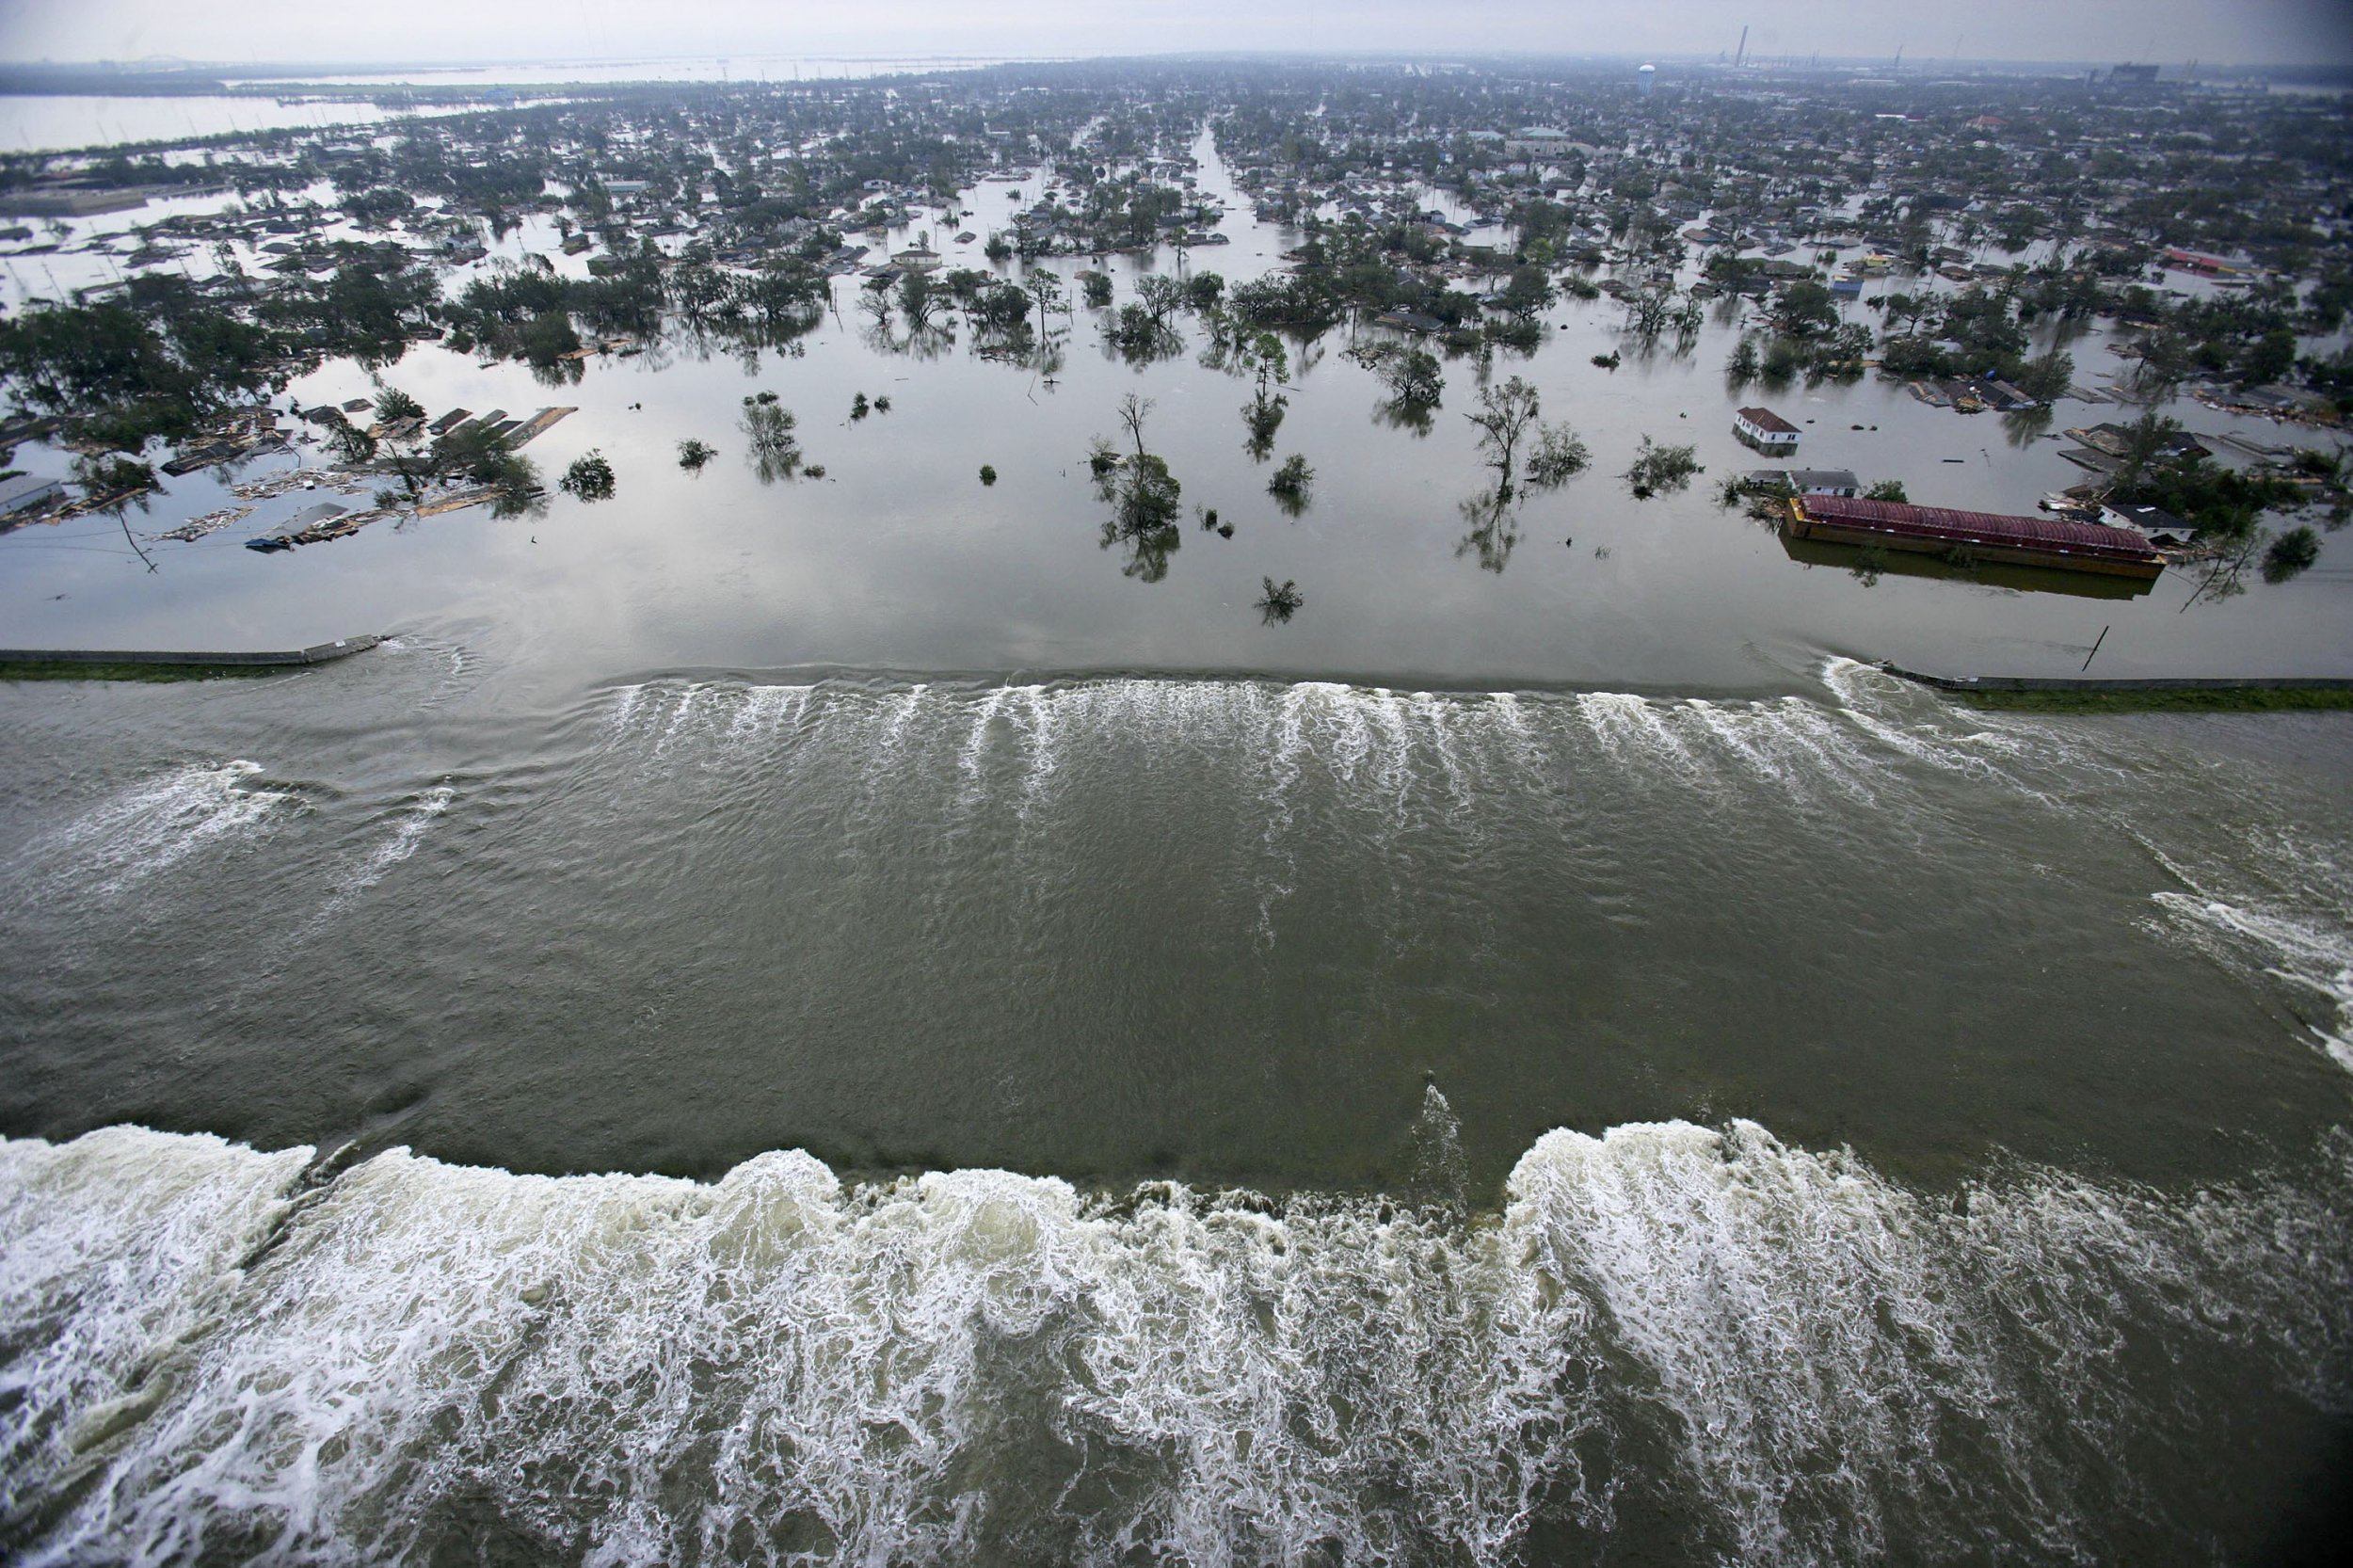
x=1644, y=79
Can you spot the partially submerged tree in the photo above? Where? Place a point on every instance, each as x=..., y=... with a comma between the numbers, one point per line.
x=589, y=478
x=392, y=405
x=1506, y=416
x=354, y=446
x=1662, y=468
x=1132, y=411
x=111, y=476
x=1490, y=530
x=1745, y=364
x=1264, y=357
x=1279, y=603
x=1292, y=484
x=693, y=453
x=1141, y=493
x=2291, y=552
x=1559, y=457
x=1413, y=376
x=918, y=301
x=1503, y=416
x=474, y=452
x=775, y=450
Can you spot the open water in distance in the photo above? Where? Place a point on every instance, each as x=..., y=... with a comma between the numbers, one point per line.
x=1231, y=1120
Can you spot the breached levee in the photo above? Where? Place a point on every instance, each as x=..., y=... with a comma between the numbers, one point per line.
x=1746, y=1351
x=1383, y=749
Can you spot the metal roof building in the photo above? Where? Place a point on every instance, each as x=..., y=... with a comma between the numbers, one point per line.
x=25, y=491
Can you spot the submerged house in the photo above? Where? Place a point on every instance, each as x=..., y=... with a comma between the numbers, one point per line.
x=1808, y=481
x=1765, y=430
x=2154, y=523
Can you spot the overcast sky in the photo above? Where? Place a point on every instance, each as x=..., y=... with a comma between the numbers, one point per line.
x=410, y=31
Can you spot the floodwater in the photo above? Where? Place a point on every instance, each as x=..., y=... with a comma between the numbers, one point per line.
x=679, y=68
x=37, y=123
x=900, y=559
x=829, y=1022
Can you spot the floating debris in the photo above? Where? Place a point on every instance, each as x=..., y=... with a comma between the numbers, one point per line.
x=458, y=500
x=285, y=481
x=536, y=426
x=211, y=523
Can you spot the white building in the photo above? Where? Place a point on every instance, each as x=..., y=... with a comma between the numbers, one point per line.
x=1809, y=480
x=26, y=491
x=1765, y=430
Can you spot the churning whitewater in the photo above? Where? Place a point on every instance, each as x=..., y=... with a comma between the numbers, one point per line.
x=218, y=1355
x=1947, y=1155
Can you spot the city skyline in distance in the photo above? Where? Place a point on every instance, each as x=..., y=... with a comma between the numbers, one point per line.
x=426, y=32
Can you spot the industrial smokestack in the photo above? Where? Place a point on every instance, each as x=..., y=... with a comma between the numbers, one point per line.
x=1742, y=52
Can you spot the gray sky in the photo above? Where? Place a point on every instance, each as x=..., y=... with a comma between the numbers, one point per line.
x=2167, y=31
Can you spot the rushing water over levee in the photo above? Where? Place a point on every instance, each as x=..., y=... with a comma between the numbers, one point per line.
x=1759, y=1353
x=1436, y=1127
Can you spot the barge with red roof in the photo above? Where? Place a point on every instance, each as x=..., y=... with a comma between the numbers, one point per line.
x=2031, y=541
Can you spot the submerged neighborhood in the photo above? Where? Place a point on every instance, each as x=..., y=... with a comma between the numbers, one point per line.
x=2118, y=254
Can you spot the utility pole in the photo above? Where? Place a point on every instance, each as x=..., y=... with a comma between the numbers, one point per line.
x=2095, y=648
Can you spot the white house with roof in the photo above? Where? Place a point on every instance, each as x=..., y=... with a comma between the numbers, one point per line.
x=1765, y=430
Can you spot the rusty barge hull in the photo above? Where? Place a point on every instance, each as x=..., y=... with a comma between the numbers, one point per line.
x=1984, y=536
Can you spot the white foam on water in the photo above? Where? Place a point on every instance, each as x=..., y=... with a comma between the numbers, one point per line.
x=156, y=825
x=681, y=714
x=2285, y=904
x=117, y=1254
x=1789, y=745
x=1861, y=689
x=974, y=1364
x=1787, y=1303
x=897, y=712
x=969, y=760
x=1731, y=731
x=1629, y=727
x=1375, y=744
x=767, y=711
x=1286, y=749
x=1438, y=717
x=408, y=830
x=1513, y=724
x=2296, y=948
x=1040, y=723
